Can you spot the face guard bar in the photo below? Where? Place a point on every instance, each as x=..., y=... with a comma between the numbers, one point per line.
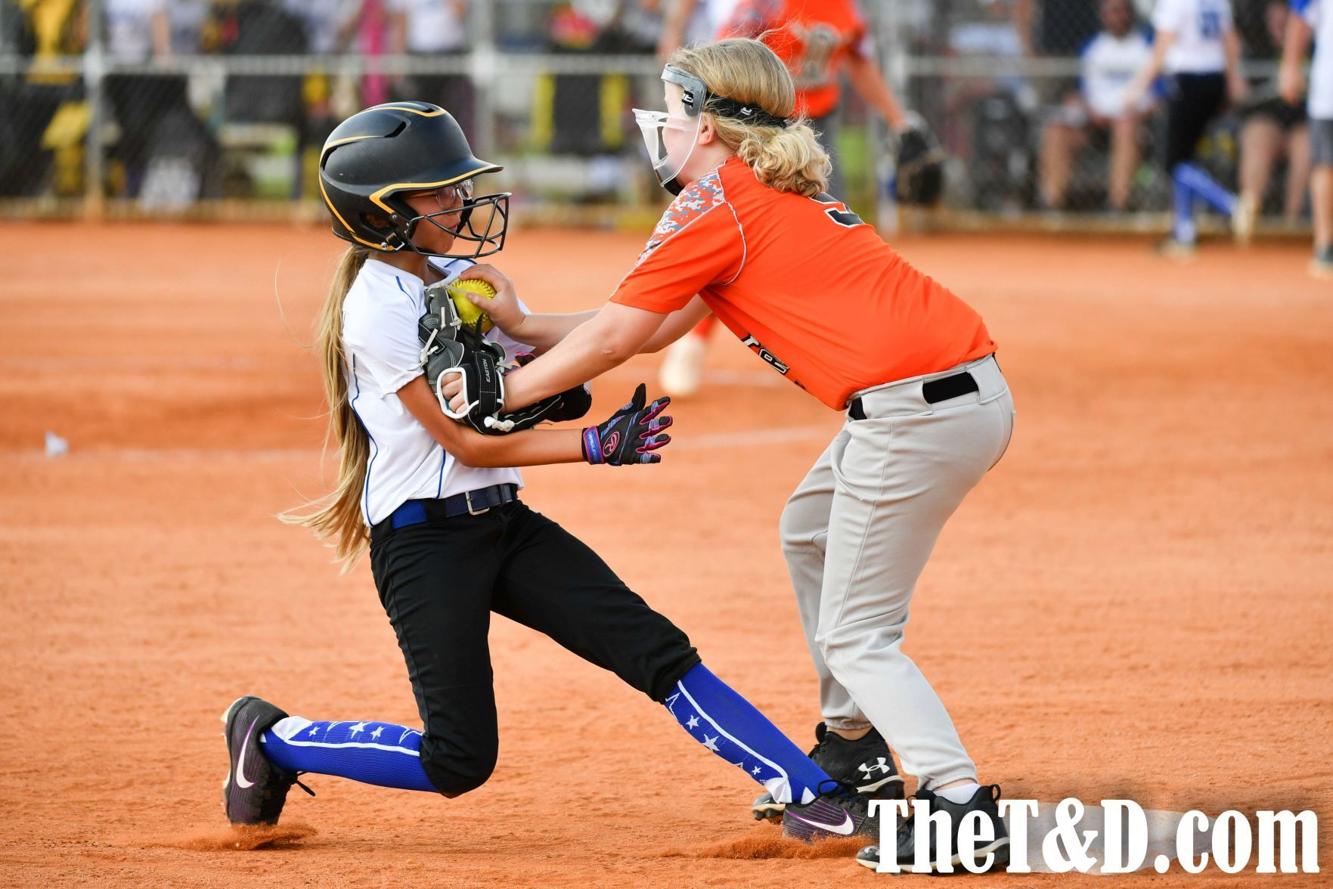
x=695, y=99
x=481, y=221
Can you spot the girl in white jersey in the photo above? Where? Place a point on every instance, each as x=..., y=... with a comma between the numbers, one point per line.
x=437, y=505
x=1196, y=46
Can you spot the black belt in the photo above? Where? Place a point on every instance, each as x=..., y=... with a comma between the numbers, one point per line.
x=933, y=392
x=416, y=512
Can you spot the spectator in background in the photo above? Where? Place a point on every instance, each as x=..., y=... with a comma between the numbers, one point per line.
x=433, y=29
x=328, y=26
x=1096, y=114
x=1273, y=129
x=328, y=23
x=1196, y=45
x=1314, y=17
x=374, y=24
x=139, y=32
x=41, y=31
x=186, y=20
x=818, y=40
x=1058, y=28
x=687, y=22
x=582, y=114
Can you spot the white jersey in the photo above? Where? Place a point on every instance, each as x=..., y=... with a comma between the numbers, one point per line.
x=382, y=353
x=1319, y=14
x=1108, y=64
x=432, y=25
x=707, y=20
x=129, y=28
x=1200, y=27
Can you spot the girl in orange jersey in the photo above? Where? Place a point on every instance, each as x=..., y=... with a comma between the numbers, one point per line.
x=928, y=411
x=817, y=40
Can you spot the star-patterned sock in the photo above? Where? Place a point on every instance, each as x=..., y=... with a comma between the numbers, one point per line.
x=370, y=752
x=730, y=726
x=1204, y=186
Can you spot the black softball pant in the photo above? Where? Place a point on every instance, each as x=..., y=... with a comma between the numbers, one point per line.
x=1195, y=99
x=440, y=580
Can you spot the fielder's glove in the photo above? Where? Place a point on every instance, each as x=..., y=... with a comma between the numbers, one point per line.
x=920, y=163
x=632, y=434
x=451, y=350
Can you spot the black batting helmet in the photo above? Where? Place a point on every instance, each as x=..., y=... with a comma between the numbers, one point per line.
x=380, y=154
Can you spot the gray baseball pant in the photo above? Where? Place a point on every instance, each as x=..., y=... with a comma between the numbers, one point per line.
x=857, y=533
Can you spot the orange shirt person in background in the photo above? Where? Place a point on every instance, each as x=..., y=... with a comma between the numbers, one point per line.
x=928, y=410
x=814, y=39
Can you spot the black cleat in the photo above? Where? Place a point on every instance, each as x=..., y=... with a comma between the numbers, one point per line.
x=865, y=764
x=840, y=813
x=984, y=800
x=255, y=789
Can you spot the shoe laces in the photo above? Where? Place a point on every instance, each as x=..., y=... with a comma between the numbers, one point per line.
x=289, y=778
x=296, y=779
x=845, y=795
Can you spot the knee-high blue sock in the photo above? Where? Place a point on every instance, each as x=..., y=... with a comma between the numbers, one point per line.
x=1182, y=206
x=1205, y=187
x=370, y=752
x=730, y=726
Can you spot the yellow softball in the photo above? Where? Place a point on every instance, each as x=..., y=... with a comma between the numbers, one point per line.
x=468, y=312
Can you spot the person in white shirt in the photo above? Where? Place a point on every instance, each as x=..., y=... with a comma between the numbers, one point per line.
x=433, y=29
x=1314, y=18
x=685, y=22
x=437, y=506
x=137, y=32
x=1196, y=46
x=1097, y=114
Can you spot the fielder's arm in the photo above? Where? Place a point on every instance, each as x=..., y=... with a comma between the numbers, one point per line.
x=612, y=336
x=541, y=331
x=634, y=434
x=534, y=447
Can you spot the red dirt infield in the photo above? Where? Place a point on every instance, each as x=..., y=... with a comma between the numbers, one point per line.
x=1136, y=603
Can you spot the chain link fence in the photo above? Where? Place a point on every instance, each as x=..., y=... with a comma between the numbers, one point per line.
x=218, y=107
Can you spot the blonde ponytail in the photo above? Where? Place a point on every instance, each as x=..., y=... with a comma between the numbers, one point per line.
x=338, y=514
x=785, y=159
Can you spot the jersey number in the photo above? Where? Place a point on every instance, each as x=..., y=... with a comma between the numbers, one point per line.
x=838, y=211
x=1210, y=24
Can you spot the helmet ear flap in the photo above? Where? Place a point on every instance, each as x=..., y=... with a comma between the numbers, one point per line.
x=385, y=228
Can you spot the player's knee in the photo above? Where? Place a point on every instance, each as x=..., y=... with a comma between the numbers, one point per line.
x=844, y=647
x=797, y=539
x=456, y=772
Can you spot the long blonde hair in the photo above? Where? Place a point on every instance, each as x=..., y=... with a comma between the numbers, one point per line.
x=338, y=514
x=787, y=159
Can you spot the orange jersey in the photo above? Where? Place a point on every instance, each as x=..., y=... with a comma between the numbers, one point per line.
x=805, y=284
x=813, y=38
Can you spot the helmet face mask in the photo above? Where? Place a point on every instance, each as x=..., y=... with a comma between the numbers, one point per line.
x=480, y=221
x=654, y=125
x=377, y=157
